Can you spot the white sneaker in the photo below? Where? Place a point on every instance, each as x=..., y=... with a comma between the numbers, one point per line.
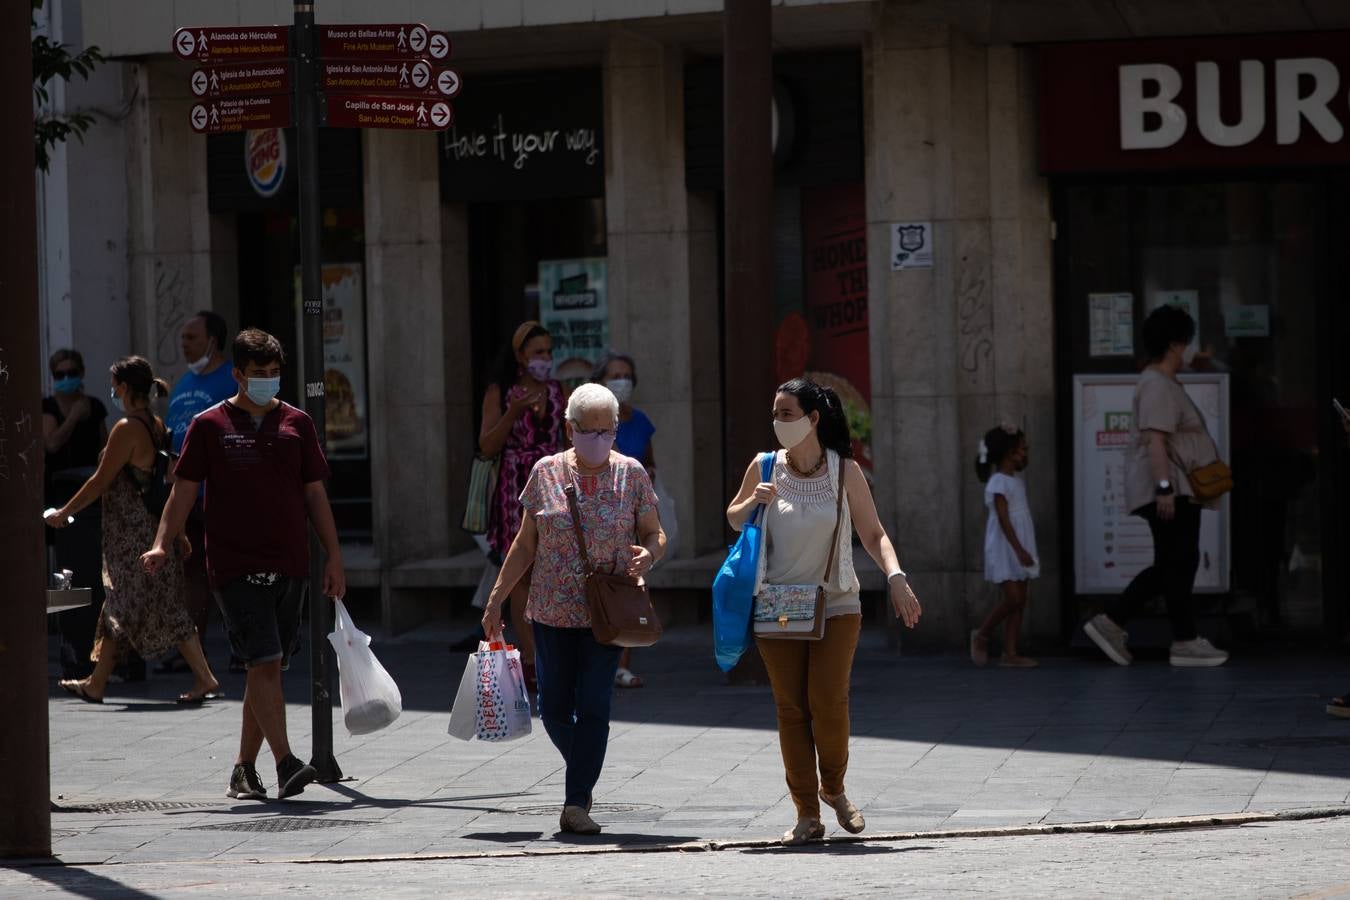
x=1110, y=638
x=1197, y=654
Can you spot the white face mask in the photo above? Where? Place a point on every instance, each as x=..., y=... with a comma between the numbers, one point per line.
x=196, y=368
x=621, y=388
x=790, y=434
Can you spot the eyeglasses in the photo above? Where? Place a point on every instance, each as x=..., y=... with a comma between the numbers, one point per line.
x=606, y=433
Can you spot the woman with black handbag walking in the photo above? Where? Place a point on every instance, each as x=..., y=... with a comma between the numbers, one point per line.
x=590, y=530
x=807, y=614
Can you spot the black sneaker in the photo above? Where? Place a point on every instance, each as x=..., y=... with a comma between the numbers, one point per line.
x=245, y=784
x=292, y=776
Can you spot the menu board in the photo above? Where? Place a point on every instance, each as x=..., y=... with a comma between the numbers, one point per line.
x=1110, y=545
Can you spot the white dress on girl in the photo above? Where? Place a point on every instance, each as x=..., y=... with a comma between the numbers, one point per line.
x=1000, y=560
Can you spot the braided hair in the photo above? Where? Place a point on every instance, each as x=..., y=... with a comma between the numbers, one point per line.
x=832, y=430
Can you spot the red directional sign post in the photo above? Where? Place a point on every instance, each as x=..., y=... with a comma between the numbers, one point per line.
x=375, y=111
x=242, y=78
x=348, y=76
x=227, y=44
x=226, y=114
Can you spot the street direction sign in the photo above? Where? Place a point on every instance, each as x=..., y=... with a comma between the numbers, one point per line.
x=438, y=46
x=377, y=76
x=242, y=78
x=241, y=114
x=448, y=82
x=229, y=44
x=408, y=39
x=376, y=111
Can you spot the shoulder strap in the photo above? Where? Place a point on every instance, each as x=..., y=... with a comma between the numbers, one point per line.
x=155, y=440
x=766, y=462
x=838, y=523
x=571, y=491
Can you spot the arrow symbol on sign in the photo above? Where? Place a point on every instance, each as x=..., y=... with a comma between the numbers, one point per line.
x=186, y=43
x=440, y=46
x=448, y=82
x=199, y=117
x=421, y=74
x=417, y=39
x=199, y=83
x=440, y=115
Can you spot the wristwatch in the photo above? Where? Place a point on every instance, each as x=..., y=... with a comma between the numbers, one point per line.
x=1164, y=488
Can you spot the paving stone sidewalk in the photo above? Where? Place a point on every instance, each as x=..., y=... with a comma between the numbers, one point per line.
x=936, y=743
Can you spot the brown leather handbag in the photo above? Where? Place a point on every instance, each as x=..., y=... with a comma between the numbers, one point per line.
x=622, y=614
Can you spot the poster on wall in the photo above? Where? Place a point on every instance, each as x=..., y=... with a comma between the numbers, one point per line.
x=574, y=307
x=1112, y=546
x=830, y=342
x=1111, y=324
x=911, y=245
x=344, y=356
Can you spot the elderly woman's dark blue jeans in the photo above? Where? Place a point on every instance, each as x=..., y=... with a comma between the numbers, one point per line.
x=576, y=684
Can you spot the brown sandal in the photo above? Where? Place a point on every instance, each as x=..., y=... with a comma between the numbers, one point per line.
x=850, y=819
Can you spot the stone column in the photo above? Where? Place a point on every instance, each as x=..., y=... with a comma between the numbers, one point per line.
x=651, y=266
x=169, y=236
x=404, y=318
x=460, y=402
x=958, y=347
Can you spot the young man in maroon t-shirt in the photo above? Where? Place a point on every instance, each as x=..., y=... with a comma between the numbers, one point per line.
x=264, y=471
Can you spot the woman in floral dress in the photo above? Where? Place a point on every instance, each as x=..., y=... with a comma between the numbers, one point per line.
x=523, y=423
x=141, y=611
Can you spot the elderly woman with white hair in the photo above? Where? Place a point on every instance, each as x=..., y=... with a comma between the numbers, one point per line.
x=623, y=535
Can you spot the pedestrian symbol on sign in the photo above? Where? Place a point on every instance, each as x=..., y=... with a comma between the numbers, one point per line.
x=215, y=82
x=403, y=75
x=421, y=114
x=215, y=117
x=201, y=41
x=402, y=39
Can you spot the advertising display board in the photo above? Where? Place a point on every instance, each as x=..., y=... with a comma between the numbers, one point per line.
x=574, y=307
x=1110, y=545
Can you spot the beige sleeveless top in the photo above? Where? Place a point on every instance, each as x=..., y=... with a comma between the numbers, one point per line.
x=797, y=531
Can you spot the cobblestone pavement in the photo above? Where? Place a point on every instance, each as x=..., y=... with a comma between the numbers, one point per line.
x=139, y=781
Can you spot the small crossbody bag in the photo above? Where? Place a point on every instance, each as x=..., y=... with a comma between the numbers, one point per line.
x=1211, y=480
x=797, y=611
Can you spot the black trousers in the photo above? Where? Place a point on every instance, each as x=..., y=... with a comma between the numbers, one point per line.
x=1176, y=558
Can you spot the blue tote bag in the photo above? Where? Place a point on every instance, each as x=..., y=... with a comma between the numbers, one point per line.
x=734, y=587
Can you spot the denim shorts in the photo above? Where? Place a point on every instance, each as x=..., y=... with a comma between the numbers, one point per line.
x=263, y=620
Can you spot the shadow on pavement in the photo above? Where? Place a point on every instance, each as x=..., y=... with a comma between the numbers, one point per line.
x=82, y=882
x=833, y=850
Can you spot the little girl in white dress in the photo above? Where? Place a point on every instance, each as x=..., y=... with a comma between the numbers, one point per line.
x=1009, y=543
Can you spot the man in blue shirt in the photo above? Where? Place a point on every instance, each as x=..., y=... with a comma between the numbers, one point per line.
x=208, y=380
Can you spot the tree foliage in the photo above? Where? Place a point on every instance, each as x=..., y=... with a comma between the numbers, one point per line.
x=52, y=59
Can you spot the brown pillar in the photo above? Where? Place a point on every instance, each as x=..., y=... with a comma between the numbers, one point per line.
x=25, y=803
x=748, y=179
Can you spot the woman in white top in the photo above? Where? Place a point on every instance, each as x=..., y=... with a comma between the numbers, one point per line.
x=810, y=679
x=1009, y=542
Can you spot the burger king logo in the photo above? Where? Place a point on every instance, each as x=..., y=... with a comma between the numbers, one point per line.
x=265, y=160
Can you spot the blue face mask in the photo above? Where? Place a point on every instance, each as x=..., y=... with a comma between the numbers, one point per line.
x=263, y=390
x=68, y=385
x=116, y=400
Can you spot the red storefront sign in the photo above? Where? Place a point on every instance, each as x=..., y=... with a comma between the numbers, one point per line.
x=246, y=78
x=227, y=44
x=1183, y=103
x=241, y=114
x=373, y=111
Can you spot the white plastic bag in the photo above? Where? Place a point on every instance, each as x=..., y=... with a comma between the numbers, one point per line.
x=492, y=703
x=670, y=522
x=370, y=699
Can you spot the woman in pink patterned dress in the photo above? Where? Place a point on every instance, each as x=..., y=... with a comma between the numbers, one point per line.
x=623, y=534
x=523, y=422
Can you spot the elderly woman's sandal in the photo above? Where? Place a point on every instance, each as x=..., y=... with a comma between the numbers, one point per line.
x=807, y=830
x=850, y=819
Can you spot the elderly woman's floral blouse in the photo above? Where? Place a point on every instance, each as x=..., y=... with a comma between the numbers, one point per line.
x=611, y=504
